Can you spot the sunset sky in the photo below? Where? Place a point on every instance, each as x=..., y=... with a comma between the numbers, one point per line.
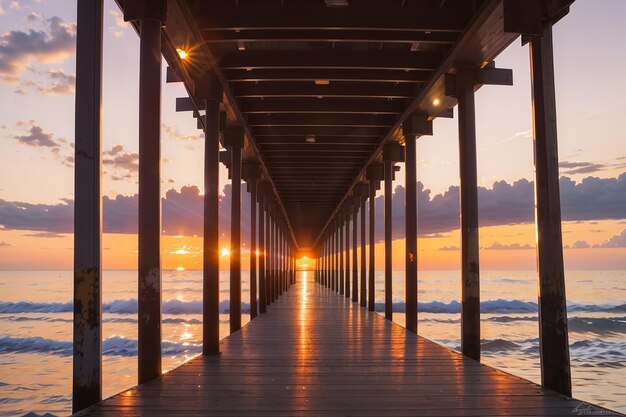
x=37, y=66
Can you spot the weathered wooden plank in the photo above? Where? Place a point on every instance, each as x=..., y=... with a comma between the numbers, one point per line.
x=327, y=356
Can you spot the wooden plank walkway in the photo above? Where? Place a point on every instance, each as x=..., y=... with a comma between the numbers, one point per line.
x=317, y=354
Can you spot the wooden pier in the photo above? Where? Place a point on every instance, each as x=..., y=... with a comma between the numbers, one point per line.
x=317, y=353
x=315, y=104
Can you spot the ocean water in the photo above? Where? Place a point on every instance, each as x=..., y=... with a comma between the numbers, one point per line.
x=36, y=329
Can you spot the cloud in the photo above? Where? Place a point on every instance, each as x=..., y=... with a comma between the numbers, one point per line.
x=617, y=241
x=504, y=203
x=118, y=28
x=44, y=234
x=579, y=244
x=590, y=199
x=118, y=158
x=18, y=49
x=4, y=244
x=182, y=213
x=512, y=246
x=526, y=134
x=36, y=136
x=61, y=84
x=572, y=168
x=449, y=248
x=173, y=132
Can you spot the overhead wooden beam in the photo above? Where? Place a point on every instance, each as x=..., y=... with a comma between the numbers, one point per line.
x=332, y=74
x=328, y=105
x=317, y=147
x=376, y=59
x=422, y=19
x=334, y=89
x=320, y=119
x=314, y=158
x=377, y=132
x=328, y=35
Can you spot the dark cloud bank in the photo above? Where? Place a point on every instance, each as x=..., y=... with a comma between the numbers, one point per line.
x=591, y=199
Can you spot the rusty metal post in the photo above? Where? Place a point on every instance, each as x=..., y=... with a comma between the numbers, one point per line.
x=553, y=336
x=149, y=234
x=413, y=127
x=87, y=336
x=233, y=140
x=355, y=263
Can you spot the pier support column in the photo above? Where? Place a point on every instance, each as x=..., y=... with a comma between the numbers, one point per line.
x=461, y=85
x=151, y=17
x=375, y=173
x=355, y=262
x=337, y=253
x=210, y=92
x=270, y=257
x=346, y=283
x=251, y=173
x=261, y=249
x=414, y=127
x=281, y=252
x=341, y=253
x=233, y=140
x=363, y=192
x=553, y=337
x=87, y=346
x=268, y=249
x=275, y=267
x=392, y=153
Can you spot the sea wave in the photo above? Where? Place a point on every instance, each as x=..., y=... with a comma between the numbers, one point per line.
x=112, y=346
x=180, y=307
x=588, y=352
x=129, y=306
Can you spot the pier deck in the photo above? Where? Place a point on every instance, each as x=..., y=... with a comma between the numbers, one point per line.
x=317, y=353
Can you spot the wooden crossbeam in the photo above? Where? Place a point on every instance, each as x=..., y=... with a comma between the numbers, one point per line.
x=324, y=105
x=328, y=35
x=310, y=89
x=332, y=74
x=317, y=147
x=375, y=59
x=422, y=19
x=331, y=140
x=319, y=131
x=320, y=119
